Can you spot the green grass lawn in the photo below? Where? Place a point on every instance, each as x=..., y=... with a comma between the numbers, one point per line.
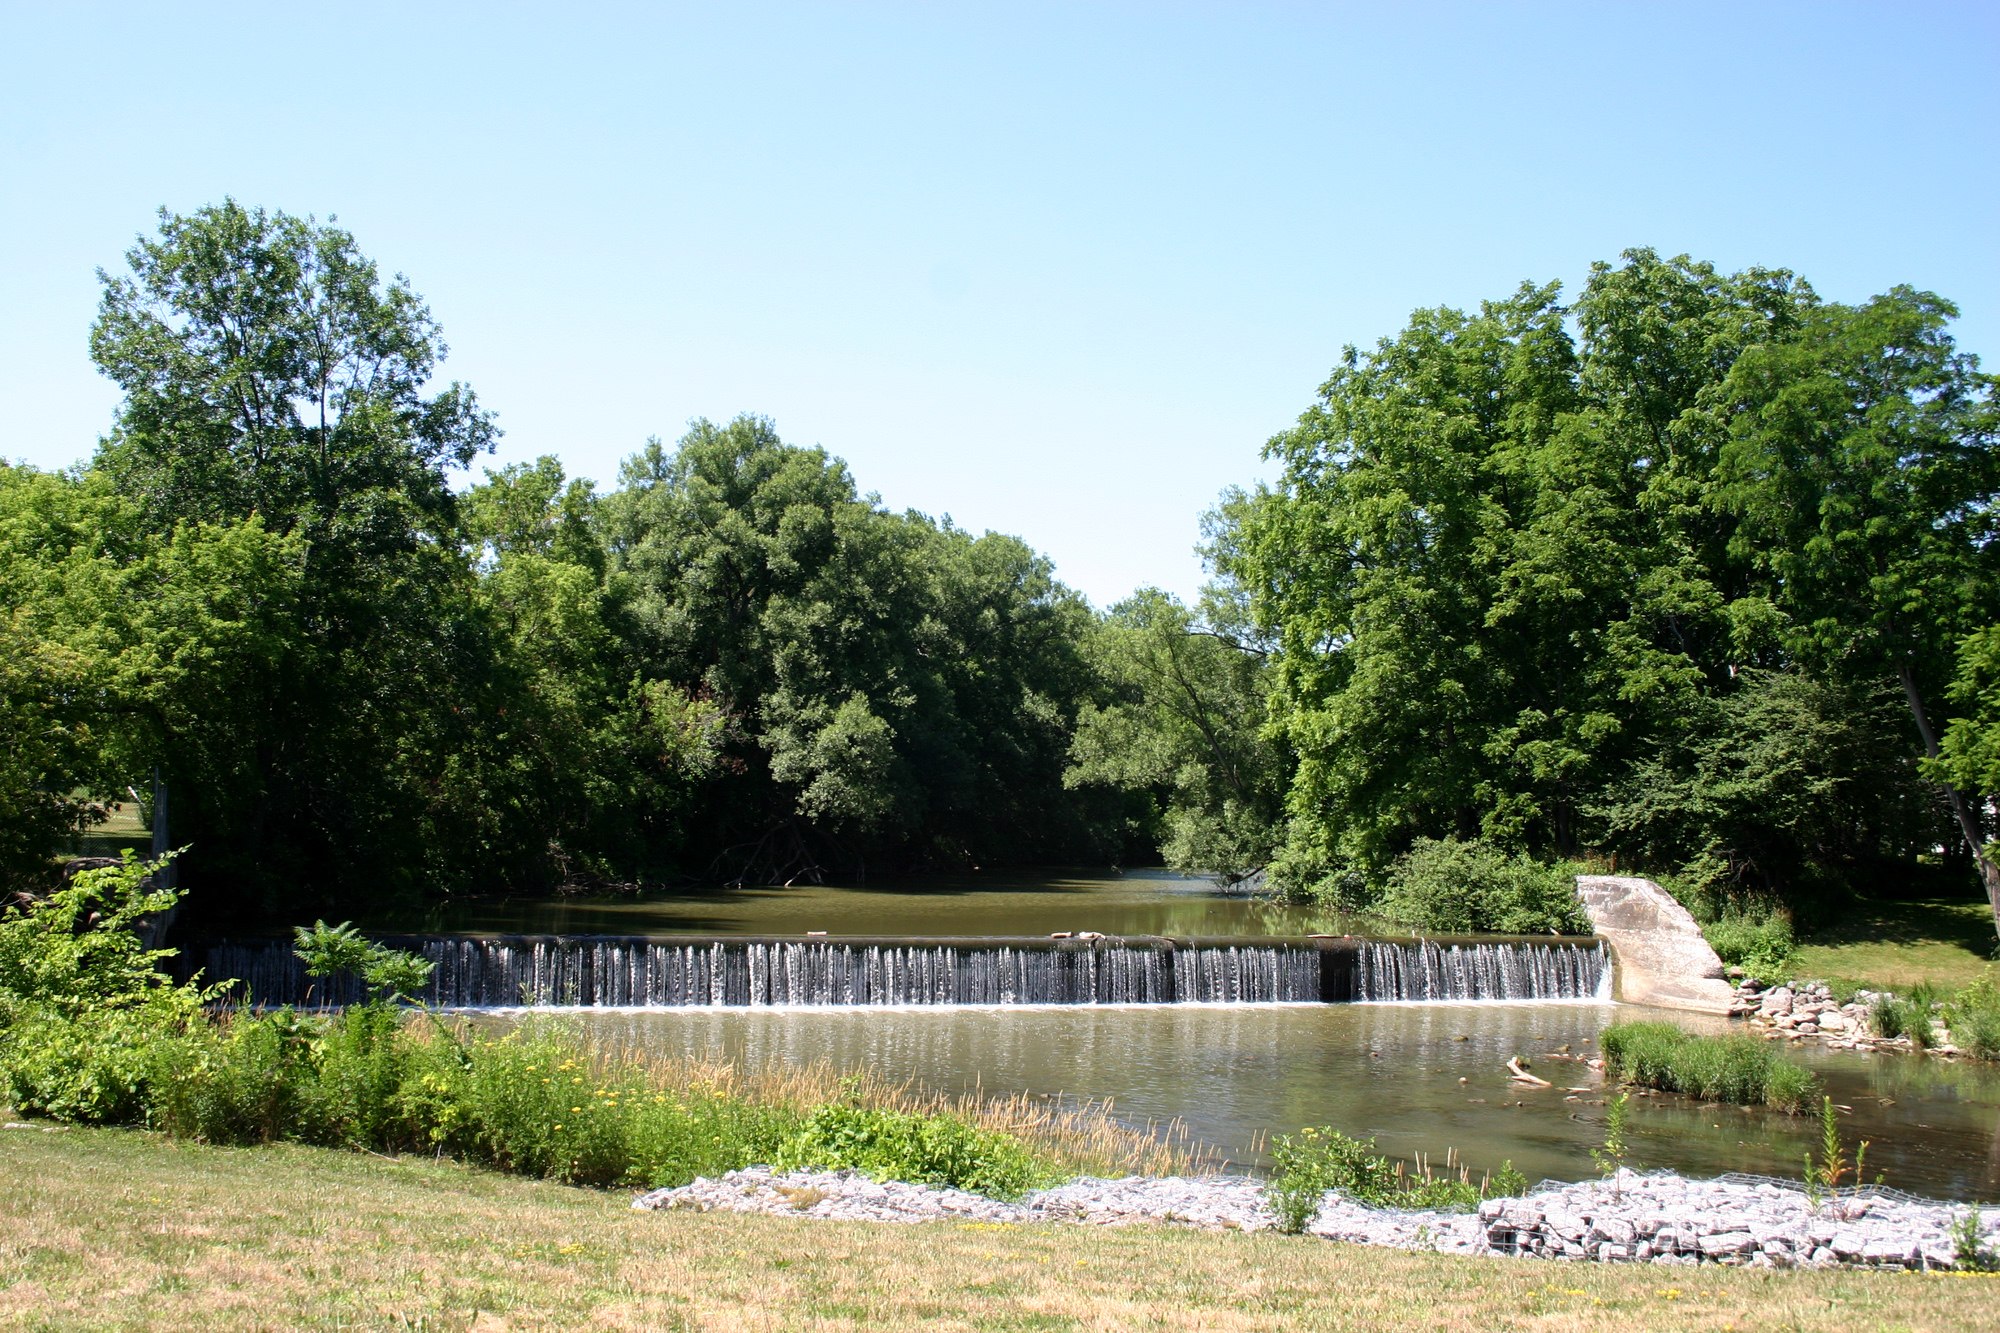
x=1888, y=945
x=120, y=1229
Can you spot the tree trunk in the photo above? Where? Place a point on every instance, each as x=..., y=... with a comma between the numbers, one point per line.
x=1968, y=825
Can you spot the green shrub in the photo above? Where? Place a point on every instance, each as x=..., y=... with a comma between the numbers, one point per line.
x=1789, y=1087
x=77, y=949
x=91, y=1067
x=1313, y=1161
x=386, y=974
x=1757, y=939
x=927, y=1149
x=240, y=1079
x=1974, y=1017
x=677, y=1137
x=1733, y=1068
x=530, y=1102
x=1906, y=1015
x=1308, y=1164
x=1455, y=887
x=365, y=1062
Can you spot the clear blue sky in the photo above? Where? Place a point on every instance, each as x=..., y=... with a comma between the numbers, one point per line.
x=1057, y=271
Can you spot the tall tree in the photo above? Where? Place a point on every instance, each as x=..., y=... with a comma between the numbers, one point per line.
x=1864, y=463
x=1183, y=724
x=1600, y=575
x=894, y=689
x=270, y=373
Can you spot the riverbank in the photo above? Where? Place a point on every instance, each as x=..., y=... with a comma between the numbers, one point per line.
x=119, y=1229
x=1662, y=1218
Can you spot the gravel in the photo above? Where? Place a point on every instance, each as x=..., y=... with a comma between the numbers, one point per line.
x=1631, y=1218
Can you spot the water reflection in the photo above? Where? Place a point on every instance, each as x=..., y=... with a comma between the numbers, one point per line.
x=1001, y=903
x=1416, y=1077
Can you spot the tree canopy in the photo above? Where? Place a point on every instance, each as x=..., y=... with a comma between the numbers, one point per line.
x=1635, y=575
x=1696, y=571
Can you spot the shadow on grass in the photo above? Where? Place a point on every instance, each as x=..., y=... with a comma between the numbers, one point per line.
x=1934, y=921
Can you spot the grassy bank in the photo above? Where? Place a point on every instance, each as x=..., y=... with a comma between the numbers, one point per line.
x=1885, y=945
x=121, y=1229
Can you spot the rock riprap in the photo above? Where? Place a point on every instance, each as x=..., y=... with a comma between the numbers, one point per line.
x=1802, y=1009
x=1630, y=1218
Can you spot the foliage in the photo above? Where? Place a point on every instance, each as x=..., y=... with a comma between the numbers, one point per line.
x=83, y=1003
x=273, y=379
x=1315, y=1160
x=931, y=1150
x=361, y=687
x=1825, y=1173
x=116, y=638
x=1675, y=571
x=1974, y=1017
x=78, y=950
x=1906, y=1015
x=1611, y=1156
x=93, y=1035
x=1464, y=887
x=1645, y=573
x=889, y=687
x=1969, y=1250
x=1785, y=782
x=93, y=1067
x=1733, y=1068
x=1755, y=937
x=1968, y=756
x=1183, y=724
x=388, y=974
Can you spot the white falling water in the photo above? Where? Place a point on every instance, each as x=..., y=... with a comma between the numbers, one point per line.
x=649, y=973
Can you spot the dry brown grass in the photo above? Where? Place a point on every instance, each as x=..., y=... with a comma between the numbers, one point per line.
x=111, y=1229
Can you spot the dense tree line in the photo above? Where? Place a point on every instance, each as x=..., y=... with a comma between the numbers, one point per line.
x=1698, y=571
x=361, y=686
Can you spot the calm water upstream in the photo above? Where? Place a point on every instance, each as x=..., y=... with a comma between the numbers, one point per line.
x=1141, y=902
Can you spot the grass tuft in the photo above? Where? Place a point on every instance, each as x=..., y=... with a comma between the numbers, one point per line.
x=1735, y=1068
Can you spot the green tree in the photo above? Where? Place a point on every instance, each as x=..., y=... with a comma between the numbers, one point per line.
x=1862, y=463
x=272, y=377
x=1969, y=755
x=889, y=687
x=580, y=770
x=1184, y=723
x=123, y=643
x=1631, y=573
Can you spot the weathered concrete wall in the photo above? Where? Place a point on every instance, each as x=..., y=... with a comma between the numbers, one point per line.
x=1661, y=956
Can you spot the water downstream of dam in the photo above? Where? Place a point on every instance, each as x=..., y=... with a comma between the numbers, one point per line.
x=1238, y=1017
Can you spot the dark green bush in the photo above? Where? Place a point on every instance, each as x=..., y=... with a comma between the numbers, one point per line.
x=83, y=1002
x=1755, y=937
x=1733, y=1068
x=77, y=949
x=92, y=1067
x=1453, y=887
x=1974, y=1017
x=927, y=1149
x=242, y=1078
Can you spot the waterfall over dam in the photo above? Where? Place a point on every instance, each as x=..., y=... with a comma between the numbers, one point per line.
x=505, y=971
